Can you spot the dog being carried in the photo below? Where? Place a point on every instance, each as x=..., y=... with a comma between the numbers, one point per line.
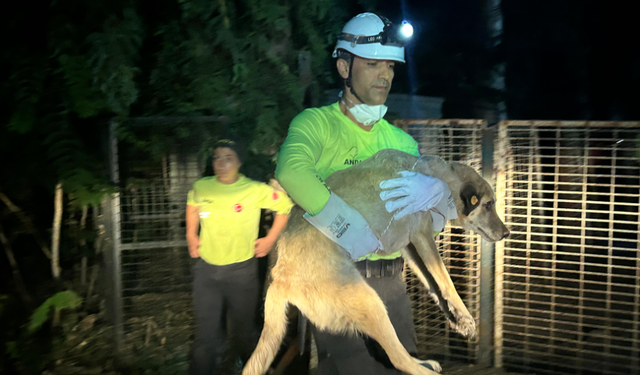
x=319, y=278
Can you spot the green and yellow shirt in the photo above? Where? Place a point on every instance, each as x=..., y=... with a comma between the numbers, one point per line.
x=230, y=216
x=322, y=141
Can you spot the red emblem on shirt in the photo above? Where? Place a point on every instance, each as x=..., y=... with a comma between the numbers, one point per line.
x=275, y=196
x=237, y=207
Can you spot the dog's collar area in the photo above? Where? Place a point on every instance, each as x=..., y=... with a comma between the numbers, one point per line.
x=416, y=163
x=444, y=217
x=380, y=268
x=423, y=156
x=393, y=216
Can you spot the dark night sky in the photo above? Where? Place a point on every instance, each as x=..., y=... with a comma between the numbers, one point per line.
x=564, y=59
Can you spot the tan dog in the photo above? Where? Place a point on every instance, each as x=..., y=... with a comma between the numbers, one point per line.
x=318, y=276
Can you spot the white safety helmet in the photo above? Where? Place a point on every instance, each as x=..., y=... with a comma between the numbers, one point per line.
x=371, y=36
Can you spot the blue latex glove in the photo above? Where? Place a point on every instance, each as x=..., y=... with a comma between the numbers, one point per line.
x=415, y=192
x=345, y=226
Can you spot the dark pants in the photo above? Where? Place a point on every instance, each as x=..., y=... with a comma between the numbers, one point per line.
x=354, y=355
x=218, y=292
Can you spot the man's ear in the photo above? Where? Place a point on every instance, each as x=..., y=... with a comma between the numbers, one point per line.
x=343, y=68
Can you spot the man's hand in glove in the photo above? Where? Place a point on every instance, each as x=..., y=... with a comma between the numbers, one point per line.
x=346, y=227
x=414, y=192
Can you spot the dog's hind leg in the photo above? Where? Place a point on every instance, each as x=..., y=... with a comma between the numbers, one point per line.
x=368, y=315
x=275, y=326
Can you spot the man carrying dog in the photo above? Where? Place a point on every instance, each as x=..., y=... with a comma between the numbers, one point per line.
x=331, y=138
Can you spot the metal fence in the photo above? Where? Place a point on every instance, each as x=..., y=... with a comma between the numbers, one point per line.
x=156, y=268
x=563, y=297
x=151, y=268
x=568, y=277
x=453, y=140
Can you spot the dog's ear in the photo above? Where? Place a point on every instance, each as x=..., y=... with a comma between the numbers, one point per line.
x=470, y=198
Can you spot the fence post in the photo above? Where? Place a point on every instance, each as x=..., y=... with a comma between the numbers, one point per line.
x=485, y=328
x=501, y=196
x=113, y=231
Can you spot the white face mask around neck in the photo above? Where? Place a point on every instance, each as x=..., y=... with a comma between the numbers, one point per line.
x=364, y=113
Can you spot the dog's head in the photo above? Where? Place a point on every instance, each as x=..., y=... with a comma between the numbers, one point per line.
x=476, y=203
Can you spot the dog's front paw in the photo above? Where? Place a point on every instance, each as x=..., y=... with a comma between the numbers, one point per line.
x=465, y=324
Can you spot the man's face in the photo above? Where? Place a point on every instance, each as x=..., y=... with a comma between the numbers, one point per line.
x=225, y=163
x=371, y=79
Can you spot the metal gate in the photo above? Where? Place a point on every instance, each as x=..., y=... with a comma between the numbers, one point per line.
x=453, y=140
x=151, y=269
x=568, y=278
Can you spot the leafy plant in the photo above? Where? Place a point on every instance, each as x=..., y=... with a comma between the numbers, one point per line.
x=239, y=59
x=11, y=348
x=58, y=302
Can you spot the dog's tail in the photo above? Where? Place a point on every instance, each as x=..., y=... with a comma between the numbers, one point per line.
x=275, y=327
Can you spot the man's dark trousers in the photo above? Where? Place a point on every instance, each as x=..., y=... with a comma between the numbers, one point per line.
x=220, y=291
x=356, y=355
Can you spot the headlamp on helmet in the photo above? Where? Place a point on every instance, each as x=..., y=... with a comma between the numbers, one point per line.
x=391, y=35
x=406, y=29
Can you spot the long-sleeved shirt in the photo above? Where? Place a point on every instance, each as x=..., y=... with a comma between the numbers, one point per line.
x=322, y=141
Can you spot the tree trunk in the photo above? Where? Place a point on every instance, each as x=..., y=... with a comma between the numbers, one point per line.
x=83, y=243
x=96, y=266
x=55, y=235
x=56, y=317
x=17, y=276
x=83, y=270
x=27, y=223
x=92, y=282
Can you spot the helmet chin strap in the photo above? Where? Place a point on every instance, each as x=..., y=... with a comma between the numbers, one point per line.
x=348, y=81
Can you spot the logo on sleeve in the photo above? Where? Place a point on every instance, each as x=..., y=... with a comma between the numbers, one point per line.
x=237, y=207
x=275, y=196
